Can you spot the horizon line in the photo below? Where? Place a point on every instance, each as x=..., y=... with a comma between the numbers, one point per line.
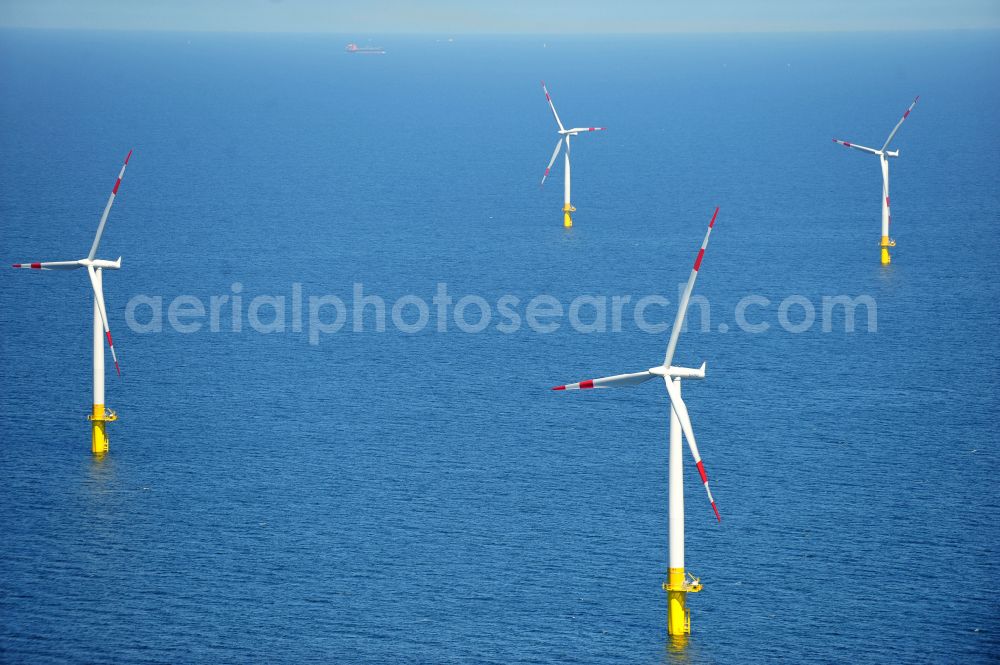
x=651, y=33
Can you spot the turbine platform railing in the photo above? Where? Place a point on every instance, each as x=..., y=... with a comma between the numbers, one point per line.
x=109, y=416
x=691, y=584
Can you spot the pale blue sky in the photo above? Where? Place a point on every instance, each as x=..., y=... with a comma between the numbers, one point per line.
x=513, y=16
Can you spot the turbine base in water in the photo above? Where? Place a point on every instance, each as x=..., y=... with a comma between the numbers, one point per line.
x=567, y=220
x=885, y=245
x=98, y=435
x=678, y=586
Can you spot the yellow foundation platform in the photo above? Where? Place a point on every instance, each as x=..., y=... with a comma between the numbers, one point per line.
x=678, y=586
x=885, y=245
x=567, y=220
x=98, y=435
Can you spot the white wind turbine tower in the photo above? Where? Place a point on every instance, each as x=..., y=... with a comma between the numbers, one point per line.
x=95, y=267
x=678, y=585
x=883, y=154
x=564, y=135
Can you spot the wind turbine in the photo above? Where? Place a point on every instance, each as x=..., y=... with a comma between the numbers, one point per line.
x=883, y=154
x=564, y=135
x=100, y=414
x=678, y=584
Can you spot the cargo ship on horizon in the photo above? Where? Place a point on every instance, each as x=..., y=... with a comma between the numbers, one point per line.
x=366, y=50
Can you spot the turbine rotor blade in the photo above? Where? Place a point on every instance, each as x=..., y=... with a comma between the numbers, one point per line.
x=895, y=129
x=107, y=209
x=581, y=130
x=848, y=144
x=686, y=297
x=617, y=381
x=104, y=314
x=555, y=153
x=552, y=106
x=50, y=265
x=885, y=183
x=677, y=404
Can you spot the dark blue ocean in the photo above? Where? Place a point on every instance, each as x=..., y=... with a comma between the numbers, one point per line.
x=422, y=497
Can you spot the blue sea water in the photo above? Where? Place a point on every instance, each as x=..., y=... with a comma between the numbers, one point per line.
x=395, y=497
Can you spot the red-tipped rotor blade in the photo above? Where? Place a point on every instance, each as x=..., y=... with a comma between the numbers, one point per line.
x=686, y=296
x=616, y=381
x=104, y=314
x=895, y=129
x=677, y=404
x=107, y=208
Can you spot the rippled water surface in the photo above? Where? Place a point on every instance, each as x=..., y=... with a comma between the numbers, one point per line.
x=393, y=497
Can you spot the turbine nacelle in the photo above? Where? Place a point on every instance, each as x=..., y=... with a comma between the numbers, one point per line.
x=579, y=130
x=102, y=263
x=679, y=372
